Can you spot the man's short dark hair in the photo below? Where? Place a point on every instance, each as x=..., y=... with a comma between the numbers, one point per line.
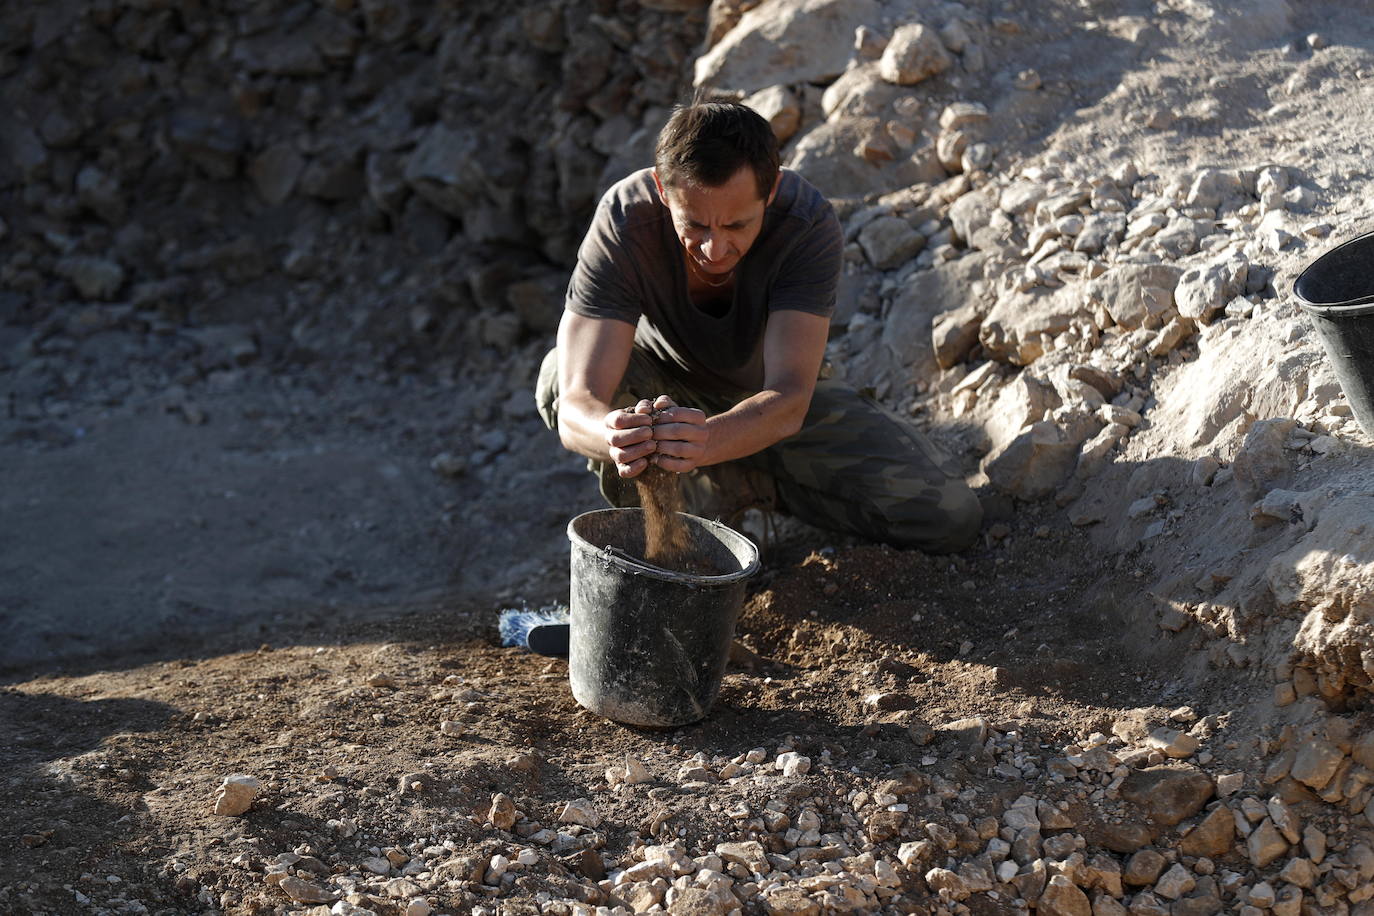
x=706, y=143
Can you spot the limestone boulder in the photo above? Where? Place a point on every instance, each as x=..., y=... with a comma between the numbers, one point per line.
x=954, y=334
x=786, y=42
x=889, y=241
x=1012, y=330
x=778, y=106
x=1168, y=794
x=906, y=334
x=1328, y=578
x=1034, y=463
x=825, y=156
x=1022, y=401
x=914, y=53
x=1204, y=290
x=1262, y=462
x=1134, y=294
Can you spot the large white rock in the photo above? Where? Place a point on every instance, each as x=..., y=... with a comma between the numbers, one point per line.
x=1328, y=576
x=1134, y=293
x=785, y=42
x=1011, y=331
x=914, y=53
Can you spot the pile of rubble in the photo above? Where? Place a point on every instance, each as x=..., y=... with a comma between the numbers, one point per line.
x=1139, y=822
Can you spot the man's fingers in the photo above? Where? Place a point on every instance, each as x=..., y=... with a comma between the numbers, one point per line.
x=633, y=452
x=663, y=402
x=687, y=432
x=633, y=468
x=677, y=448
x=626, y=419
x=676, y=465
x=624, y=438
x=675, y=414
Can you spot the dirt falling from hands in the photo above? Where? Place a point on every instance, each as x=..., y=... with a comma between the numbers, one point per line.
x=667, y=542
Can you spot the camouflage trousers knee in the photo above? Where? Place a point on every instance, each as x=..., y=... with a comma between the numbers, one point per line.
x=854, y=466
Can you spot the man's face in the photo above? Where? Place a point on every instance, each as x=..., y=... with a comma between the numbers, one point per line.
x=717, y=225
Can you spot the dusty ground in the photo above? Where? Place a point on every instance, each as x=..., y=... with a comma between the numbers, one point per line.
x=254, y=569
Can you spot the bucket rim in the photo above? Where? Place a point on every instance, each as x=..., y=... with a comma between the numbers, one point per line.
x=1349, y=308
x=637, y=567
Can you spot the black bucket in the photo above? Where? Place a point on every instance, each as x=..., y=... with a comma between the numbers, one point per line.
x=1337, y=291
x=649, y=645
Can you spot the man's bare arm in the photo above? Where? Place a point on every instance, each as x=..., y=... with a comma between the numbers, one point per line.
x=793, y=347
x=592, y=356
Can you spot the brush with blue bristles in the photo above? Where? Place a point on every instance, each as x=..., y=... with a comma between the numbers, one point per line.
x=544, y=630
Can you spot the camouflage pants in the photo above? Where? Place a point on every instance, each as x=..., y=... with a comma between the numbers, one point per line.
x=854, y=467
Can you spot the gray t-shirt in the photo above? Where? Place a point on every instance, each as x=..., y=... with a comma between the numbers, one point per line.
x=630, y=268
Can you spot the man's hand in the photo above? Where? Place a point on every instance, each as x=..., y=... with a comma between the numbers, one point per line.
x=630, y=438
x=679, y=433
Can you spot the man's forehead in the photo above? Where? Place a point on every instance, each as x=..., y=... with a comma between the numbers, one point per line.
x=694, y=201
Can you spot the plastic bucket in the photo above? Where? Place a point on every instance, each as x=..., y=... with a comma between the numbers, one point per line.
x=1337, y=292
x=649, y=645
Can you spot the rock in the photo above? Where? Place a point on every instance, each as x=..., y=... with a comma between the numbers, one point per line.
x=579, y=811
x=1204, y=290
x=99, y=193
x=1213, y=837
x=1175, y=882
x=780, y=108
x=972, y=217
x=749, y=853
x=1265, y=844
x=789, y=900
x=889, y=242
x=302, y=891
x=1262, y=462
x=1299, y=872
x=275, y=171
x=94, y=278
x=1284, y=819
x=1011, y=331
x=501, y=813
x=1168, y=794
x=954, y=333
x=793, y=764
x=1062, y=897
x=332, y=177
x=947, y=884
x=1034, y=463
x=447, y=464
x=236, y=795
x=914, y=53
x=1172, y=742
x=1168, y=339
x=1316, y=762
x=635, y=771
x=1134, y=294
x=377, y=865
x=1143, y=868
x=960, y=114
x=774, y=44
x=1328, y=577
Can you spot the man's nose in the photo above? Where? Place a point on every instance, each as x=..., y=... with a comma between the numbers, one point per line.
x=713, y=247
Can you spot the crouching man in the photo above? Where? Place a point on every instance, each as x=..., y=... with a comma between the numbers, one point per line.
x=692, y=339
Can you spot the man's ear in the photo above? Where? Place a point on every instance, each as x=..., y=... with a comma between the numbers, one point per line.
x=774, y=193
x=662, y=194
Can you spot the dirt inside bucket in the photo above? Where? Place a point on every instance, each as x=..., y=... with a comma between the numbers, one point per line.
x=667, y=542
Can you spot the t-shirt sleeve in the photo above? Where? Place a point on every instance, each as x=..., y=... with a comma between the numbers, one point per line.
x=810, y=275
x=603, y=282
